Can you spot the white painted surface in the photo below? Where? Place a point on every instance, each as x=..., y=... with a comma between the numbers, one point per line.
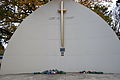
x=89, y=42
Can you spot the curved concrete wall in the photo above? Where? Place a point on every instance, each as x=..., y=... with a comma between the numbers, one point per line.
x=89, y=42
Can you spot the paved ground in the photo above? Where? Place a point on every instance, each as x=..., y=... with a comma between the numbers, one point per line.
x=68, y=76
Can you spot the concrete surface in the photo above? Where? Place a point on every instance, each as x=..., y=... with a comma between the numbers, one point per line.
x=68, y=76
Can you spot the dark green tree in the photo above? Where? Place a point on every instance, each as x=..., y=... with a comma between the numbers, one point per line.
x=116, y=18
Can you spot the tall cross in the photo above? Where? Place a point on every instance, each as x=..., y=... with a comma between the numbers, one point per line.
x=62, y=11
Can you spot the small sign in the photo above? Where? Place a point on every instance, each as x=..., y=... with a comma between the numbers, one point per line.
x=62, y=49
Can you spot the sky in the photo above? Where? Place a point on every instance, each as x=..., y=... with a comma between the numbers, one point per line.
x=114, y=2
